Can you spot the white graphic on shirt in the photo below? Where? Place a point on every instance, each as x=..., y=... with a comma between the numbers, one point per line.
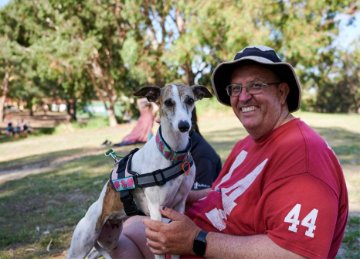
x=216, y=216
x=238, y=161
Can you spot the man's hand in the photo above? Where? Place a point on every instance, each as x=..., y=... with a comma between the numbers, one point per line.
x=175, y=237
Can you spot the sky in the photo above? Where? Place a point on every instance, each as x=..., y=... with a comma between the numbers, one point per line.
x=346, y=35
x=3, y=2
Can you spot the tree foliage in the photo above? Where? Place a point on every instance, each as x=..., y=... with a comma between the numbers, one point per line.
x=80, y=50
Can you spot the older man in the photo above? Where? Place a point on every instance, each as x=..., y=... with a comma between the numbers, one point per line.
x=281, y=192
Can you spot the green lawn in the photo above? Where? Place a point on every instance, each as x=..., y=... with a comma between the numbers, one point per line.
x=40, y=207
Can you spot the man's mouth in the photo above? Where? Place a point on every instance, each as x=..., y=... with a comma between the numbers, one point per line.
x=247, y=109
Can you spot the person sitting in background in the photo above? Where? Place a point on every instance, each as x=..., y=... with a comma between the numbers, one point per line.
x=10, y=131
x=24, y=128
x=142, y=131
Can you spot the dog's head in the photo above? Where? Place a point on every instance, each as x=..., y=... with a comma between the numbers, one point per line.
x=176, y=102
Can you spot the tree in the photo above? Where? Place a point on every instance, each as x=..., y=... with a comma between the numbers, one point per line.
x=341, y=90
x=77, y=49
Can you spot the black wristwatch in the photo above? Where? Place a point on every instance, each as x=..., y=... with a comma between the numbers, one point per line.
x=199, y=245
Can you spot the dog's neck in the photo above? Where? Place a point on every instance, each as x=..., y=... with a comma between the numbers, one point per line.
x=174, y=147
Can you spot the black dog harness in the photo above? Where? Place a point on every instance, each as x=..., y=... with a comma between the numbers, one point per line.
x=159, y=177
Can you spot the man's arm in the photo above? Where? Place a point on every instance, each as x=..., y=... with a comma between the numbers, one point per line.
x=197, y=195
x=177, y=238
x=256, y=246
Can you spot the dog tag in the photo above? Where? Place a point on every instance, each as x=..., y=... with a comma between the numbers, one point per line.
x=124, y=184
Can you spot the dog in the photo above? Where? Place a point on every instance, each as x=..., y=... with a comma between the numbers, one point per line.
x=161, y=173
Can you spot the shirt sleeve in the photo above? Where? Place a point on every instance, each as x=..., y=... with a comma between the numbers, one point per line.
x=300, y=214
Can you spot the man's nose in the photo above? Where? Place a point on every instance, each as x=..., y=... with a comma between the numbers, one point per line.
x=244, y=95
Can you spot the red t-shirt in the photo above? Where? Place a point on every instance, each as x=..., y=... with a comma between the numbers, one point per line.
x=289, y=186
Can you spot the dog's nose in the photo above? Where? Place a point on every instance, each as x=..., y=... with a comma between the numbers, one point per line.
x=183, y=126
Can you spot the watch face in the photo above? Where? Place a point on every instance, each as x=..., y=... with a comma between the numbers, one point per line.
x=199, y=245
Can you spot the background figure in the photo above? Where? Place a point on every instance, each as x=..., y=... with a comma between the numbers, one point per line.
x=10, y=129
x=24, y=128
x=207, y=161
x=143, y=128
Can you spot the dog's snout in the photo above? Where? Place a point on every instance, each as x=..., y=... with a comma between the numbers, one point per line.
x=183, y=126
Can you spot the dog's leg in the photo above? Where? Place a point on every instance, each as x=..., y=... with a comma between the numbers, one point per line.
x=109, y=236
x=85, y=233
x=98, y=252
x=88, y=228
x=180, y=207
x=154, y=207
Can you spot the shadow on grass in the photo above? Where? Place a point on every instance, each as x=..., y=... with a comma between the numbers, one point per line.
x=41, y=160
x=46, y=206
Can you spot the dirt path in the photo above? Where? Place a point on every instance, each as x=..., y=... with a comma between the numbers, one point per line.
x=19, y=171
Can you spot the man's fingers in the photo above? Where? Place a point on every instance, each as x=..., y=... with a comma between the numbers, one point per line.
x=152, y=224
x=171, y=214
x=151, y=234
x=156, y=247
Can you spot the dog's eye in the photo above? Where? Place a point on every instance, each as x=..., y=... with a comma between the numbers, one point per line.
x=169, y=103
x=189, y=100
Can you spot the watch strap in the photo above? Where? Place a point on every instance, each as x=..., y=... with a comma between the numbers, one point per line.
x=199, y=245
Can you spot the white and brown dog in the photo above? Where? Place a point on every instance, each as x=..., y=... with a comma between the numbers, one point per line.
x=159, y=174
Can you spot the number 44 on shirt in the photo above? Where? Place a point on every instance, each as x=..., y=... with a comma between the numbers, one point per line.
x=309, y=221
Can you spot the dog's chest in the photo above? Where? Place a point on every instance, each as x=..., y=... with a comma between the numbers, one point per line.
x=169, y=194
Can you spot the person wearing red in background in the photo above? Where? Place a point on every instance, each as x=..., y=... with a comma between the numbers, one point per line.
x=142, y=131
x=281, y=191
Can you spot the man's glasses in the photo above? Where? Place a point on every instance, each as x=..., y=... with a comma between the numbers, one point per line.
x=251, y=88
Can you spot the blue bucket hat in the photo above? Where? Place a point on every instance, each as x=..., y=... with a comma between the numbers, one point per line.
x=265, y=56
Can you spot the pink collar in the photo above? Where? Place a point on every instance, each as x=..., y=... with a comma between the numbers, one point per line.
x=167, y=152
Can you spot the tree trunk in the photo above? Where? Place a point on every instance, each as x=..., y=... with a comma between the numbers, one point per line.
x=71, y=109
x=103, y=89
x=110, y=109
x=4, y=90
x=189, y=75
x=2, y=110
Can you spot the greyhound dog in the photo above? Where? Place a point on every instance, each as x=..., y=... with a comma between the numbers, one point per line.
x=161, y=173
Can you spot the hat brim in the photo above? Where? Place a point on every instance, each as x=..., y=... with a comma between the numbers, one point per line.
x=221, y=77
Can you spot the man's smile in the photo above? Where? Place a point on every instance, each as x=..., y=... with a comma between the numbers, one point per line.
x=246, y=109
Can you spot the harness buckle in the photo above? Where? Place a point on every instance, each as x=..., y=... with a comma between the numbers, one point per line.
x=162, y=181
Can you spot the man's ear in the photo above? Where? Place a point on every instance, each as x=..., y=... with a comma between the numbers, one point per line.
x=152, y=93
x=200, y=92
x=283, y=92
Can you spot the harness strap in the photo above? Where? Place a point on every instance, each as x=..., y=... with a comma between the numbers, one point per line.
x=129, y=205
x=125, y=185
x=160, y=176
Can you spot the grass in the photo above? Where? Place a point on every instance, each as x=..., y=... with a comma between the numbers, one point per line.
x=39, y=211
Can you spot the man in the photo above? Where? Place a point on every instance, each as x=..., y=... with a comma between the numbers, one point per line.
x=281, y=192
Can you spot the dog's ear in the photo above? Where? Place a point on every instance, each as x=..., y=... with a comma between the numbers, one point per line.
x=152, y=93
x=200, y=92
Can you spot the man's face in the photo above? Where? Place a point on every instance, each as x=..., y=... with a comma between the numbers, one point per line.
x=261, y=112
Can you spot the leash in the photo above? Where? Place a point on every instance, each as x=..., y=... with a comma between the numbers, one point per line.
x=124, y=185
